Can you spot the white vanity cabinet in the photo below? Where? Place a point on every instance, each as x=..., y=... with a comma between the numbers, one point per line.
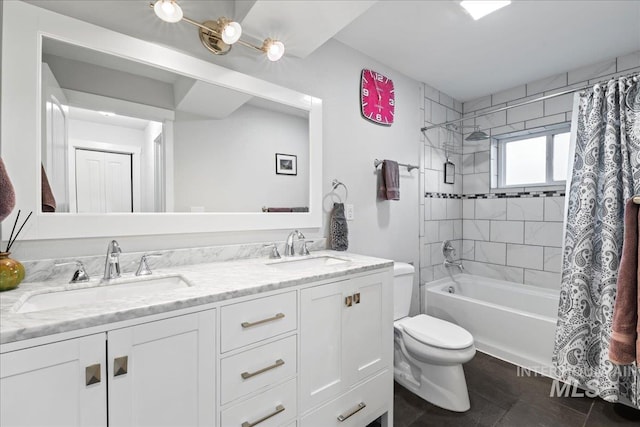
x=313, y=354
x=163, y=373
x=346, y=338
x=259, y=361
x=47, y=385
x=159, y=373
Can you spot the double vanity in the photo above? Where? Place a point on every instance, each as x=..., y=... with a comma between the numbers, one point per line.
x=304, y=340
x=216, y=341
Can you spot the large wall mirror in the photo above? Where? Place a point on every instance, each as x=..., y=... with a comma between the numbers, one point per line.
x=120, y=136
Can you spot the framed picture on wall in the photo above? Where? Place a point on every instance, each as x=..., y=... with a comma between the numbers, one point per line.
x=286, y=164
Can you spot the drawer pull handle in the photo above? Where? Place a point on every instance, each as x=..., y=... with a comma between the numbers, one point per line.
x=348, y=300
x=246, y=375
x=352, y=411
x=260, y=322
x=356, y=298
x=92, y=374
x=120, y=365
x=279, y=409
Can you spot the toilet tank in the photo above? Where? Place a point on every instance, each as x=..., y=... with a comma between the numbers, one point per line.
x=402, y=289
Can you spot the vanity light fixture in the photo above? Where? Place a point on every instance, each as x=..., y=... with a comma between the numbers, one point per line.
x=478, y=8
x=217, y=36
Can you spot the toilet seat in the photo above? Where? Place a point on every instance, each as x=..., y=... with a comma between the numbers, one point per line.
x=436, y=332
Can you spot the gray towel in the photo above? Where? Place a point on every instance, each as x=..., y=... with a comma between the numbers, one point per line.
x=390, y=182
x=7, y=193
x=339, y=231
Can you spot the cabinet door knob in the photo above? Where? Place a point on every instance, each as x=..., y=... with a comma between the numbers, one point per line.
x=260, y=322
x=352, y=411
x=356, y=298
x=279, y=409
x=120, y=365
x=246, y=375
x=348, y=301
x=92, y=374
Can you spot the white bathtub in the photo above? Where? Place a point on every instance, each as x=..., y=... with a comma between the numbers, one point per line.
x=511, y=321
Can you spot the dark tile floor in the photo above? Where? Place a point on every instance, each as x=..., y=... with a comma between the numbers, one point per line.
x=499, y=397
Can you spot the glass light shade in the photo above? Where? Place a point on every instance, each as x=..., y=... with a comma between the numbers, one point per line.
x=231, y=32
x=478, y=8
x=168, y=10
x=275, y=50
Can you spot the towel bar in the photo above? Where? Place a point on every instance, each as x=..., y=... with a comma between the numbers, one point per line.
x=335, y=184
x=409, y=167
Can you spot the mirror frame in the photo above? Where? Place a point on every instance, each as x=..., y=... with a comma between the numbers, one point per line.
x=24, y=26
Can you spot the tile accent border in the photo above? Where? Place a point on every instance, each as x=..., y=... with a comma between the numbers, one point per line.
x=513, y=195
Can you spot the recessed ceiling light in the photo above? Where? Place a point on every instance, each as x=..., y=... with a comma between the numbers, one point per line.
x=477, y=8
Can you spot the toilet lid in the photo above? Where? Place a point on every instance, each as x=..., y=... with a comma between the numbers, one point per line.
x=437, y=332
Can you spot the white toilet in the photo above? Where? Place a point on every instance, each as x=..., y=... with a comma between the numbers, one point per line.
x=428, y=352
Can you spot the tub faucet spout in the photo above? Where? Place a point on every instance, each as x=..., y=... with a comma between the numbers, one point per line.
x=458, y=264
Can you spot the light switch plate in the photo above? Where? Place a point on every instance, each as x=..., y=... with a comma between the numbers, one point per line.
x=349, y=212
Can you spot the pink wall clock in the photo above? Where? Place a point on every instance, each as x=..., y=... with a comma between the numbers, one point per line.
x=377, y=98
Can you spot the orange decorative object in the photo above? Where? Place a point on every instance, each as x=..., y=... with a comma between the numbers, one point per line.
x=11, y=272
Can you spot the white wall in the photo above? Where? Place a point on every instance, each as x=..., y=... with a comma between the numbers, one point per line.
x=99, y=132
x=147, y=166
x=228, y=165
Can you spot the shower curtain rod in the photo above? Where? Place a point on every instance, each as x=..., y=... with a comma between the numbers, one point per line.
x=531, y=101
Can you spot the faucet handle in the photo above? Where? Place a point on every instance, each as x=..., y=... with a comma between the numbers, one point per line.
x=448, y=250
x=80, y=275
x=143, y=267
x=303, y=249
x=274, y=250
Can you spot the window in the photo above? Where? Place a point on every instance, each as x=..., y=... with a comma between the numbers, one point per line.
x=532, y=158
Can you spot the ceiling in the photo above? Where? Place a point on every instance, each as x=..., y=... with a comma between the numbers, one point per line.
x=438, y=43
x=435, y=42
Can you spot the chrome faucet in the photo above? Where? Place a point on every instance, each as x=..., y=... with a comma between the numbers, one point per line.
x=288, y=248
x=112, y=262
x=458, y=264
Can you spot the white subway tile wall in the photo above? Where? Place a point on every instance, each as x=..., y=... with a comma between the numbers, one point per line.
x=514, y=238
x=442, y=216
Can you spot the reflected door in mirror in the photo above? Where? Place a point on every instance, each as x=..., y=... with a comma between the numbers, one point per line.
x=103, y=182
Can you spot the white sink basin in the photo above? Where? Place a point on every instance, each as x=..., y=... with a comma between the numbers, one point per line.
x=121, y=289
x=307, y=263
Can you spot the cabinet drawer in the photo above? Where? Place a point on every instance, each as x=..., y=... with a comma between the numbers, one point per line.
x=275, y=407
x=370, y=396
x=259, y=367
x=258, y=319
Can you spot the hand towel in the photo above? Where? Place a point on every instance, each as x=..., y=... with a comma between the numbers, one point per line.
x=48, y=201
x=624, y=347
x=7, y=193
x=339, y=230
x=390, y=182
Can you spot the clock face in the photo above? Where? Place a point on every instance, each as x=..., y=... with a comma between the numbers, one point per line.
x=377, y=98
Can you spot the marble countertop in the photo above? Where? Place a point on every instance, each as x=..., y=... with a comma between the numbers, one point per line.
x=210, y=282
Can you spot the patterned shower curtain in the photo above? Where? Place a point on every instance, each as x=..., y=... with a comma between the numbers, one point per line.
x=606, y=172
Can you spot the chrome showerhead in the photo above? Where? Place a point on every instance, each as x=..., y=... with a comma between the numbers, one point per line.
x=477, y=135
